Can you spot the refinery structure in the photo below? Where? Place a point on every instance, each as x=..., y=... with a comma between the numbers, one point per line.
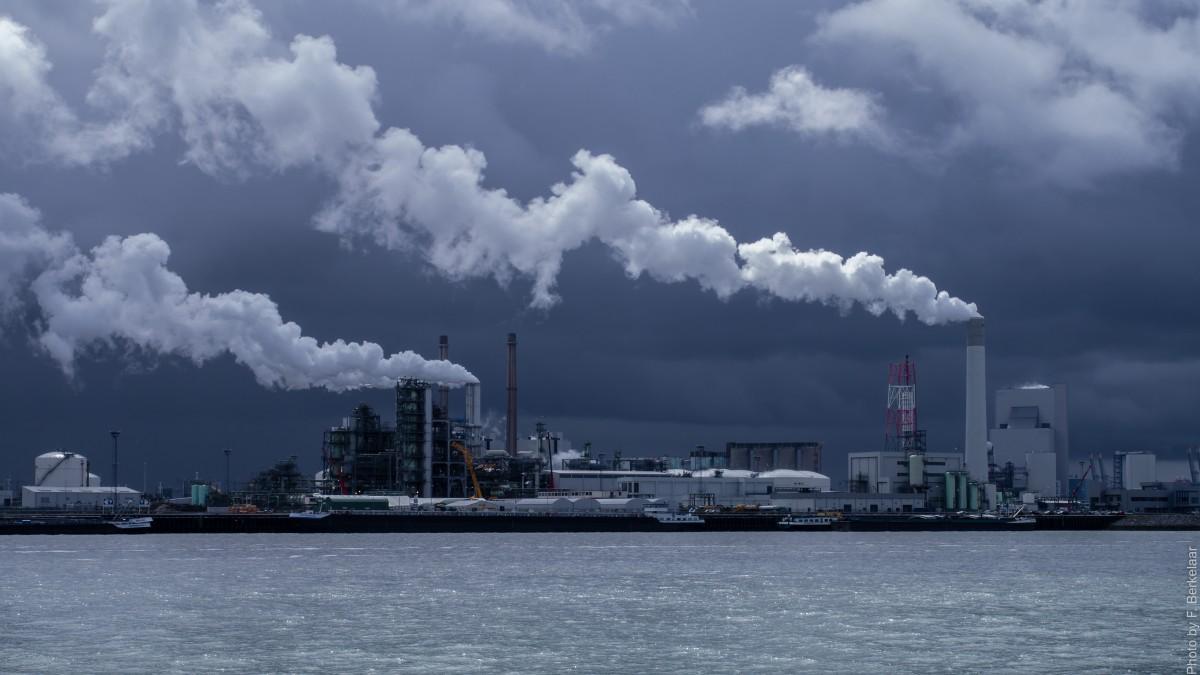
x=1018, y=461
x=417, y=455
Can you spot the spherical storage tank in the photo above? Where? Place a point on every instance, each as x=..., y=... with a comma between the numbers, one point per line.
x=60, y=469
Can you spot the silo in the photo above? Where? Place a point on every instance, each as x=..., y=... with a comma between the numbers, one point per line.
x=950, y=490
x=964, y=486
x=916, y=470
x=60, y=469
x=973, y=496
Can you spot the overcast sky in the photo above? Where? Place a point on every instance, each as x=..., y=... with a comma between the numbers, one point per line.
x=606, y=179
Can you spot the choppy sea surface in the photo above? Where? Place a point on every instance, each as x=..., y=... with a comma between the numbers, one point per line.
x=787, y=602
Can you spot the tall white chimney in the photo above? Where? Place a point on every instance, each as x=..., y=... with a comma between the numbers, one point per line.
x=474, y=406
x=975, y=444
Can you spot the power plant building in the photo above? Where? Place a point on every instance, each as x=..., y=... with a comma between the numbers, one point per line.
x=1132, y=470
x=1030, y=423
x=893, y=472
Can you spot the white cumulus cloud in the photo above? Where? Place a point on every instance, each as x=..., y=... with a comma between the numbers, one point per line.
x=795, y=101
x=1070, y=91
x=1065, y=92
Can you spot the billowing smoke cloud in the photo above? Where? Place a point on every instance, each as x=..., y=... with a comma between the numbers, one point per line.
x=406, y=196
x=123, y=293
x=239, y=107
x=560, y=459
x=24, y=245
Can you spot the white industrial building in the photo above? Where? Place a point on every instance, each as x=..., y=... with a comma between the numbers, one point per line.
x=850, y=502
x=63, y=480
x=78, y=498
x=889, y=472
x=1132, y=470
x=557, y=505
x=1041, y=473
x=1031, y=423
x=713, y=486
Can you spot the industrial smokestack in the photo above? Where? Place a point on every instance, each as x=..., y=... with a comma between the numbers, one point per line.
x=473, y=404
x=975, y=443
x=510, y=437
x=444, y=391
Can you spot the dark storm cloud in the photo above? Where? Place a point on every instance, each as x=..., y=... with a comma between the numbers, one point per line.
x=1092, y=287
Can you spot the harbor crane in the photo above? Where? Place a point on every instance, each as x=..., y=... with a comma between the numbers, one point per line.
x=470, y=462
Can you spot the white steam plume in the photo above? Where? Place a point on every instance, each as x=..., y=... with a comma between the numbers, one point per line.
x=240, y=107
x=404, y=195
x=123, y=292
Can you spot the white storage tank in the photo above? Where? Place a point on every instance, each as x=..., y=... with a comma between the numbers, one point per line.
x=916, y=470
x=94, y=480
x=60, y=469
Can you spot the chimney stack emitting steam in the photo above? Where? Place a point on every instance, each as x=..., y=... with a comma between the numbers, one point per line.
x=510, y=437
x=975, y=443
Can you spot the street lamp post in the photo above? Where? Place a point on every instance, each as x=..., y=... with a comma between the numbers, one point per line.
x=115, y=434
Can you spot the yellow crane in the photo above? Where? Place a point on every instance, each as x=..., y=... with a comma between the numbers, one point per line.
x=470, y=461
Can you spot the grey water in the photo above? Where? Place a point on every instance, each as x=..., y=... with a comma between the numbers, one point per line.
x=787, y=602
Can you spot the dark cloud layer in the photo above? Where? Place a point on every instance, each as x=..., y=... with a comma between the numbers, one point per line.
x=1093, y=286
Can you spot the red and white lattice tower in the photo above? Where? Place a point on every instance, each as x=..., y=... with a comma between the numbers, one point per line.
x=900, y=433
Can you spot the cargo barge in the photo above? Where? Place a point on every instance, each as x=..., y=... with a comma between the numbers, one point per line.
x=448, y=522
x=392, y=521
x=922, y=522
x=1076, y=521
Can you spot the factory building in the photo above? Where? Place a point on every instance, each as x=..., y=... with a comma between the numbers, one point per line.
x=1030, y=431
x=63, y=480
x=892, y=472
x=82, y=498
x=699, y=459
x=420, y=455
x=1179, y=497
x=1132, y=470
x=850, y=502
x=358, y=455
x=797, y=455
x=549, y=446
x=1041, y=474
x=702, y=488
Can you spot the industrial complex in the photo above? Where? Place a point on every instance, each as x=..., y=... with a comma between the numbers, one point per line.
x=418, y=456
